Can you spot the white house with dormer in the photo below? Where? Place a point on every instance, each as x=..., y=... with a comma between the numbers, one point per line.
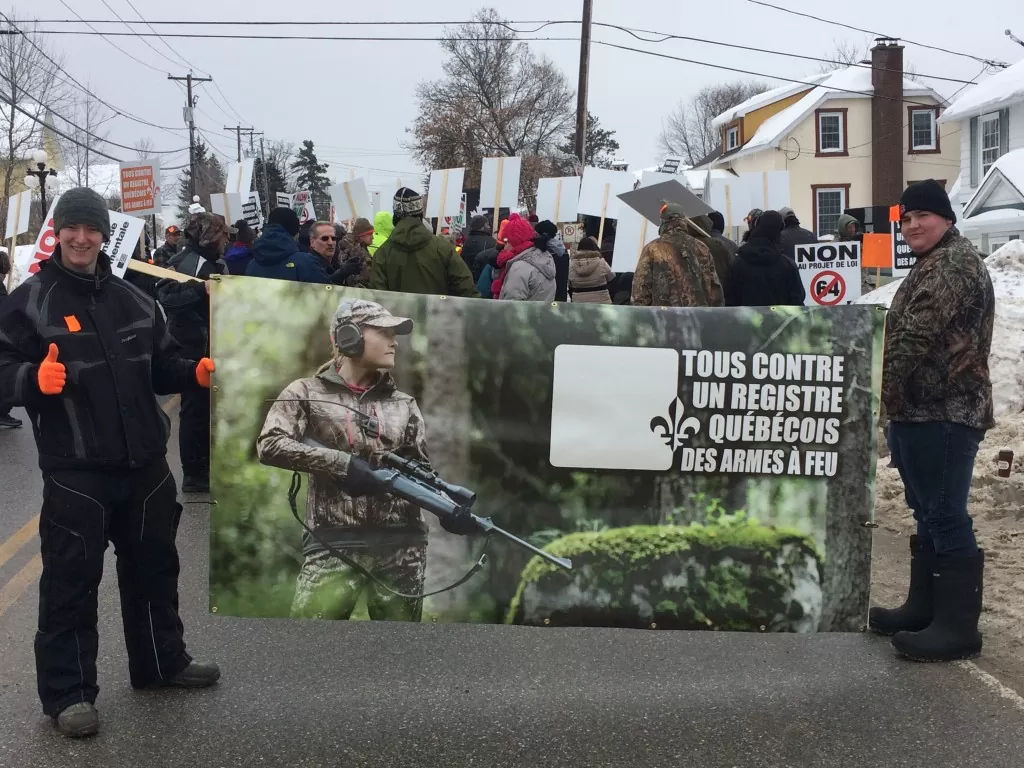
x=990, y=192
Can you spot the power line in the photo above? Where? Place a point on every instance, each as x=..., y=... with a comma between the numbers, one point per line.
x=9, y=100
x=326, y=38
x=144, y=40
x=166, y=44
x=106, y=36
x=317, y=23
x=879, y=34
x=107, y=104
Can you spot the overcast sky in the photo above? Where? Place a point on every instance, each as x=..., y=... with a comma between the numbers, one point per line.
x=355, y=100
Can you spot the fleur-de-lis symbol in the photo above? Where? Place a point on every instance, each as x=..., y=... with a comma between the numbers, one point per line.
x=675, y=430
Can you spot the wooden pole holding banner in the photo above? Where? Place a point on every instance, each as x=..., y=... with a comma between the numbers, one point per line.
x=643, y=237
x=153, y=270
x=558, y=199
x=497, y=193
x=728, y=207
x=764, y=183
x=604, y=211
x=351, y=202
x=444, y=195
x=14, y=239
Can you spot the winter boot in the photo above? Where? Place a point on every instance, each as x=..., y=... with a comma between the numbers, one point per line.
x=9, y=422
x=195, y=484
x=916, y=612
x=953, y=633
x=78, y=720
x=195, y=675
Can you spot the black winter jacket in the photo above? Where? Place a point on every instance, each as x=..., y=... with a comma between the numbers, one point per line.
x=474, y=245
x=117, y=354
x=760, y=276
x=187, y=304
x=794, y=235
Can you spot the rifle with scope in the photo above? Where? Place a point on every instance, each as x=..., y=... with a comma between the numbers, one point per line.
x=417, y=484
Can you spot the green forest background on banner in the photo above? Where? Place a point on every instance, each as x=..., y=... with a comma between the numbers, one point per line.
x=494, y=440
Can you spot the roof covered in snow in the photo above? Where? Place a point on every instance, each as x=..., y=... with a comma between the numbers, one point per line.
x=994, y=92
x=1008, y=170
x=850, y=83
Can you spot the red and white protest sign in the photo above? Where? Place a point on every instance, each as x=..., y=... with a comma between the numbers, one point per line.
x=830, y=272
x=140, y=187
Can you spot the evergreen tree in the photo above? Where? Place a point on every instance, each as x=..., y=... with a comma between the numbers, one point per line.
x=600, y=148
x=311, y=175
x=210, y=179
x=276, y=182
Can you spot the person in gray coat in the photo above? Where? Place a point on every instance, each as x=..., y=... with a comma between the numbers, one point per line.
x=530, y=274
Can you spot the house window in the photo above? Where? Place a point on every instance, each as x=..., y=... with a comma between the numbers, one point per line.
x=990, y=141
x=829, y=203
x=924, y=134
x=732, y=139
x=831, y=134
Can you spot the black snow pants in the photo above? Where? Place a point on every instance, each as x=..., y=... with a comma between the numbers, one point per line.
x=194, y=433
x=137, y=511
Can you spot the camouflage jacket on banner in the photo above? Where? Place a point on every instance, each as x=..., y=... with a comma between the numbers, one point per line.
x=318, y=438
x=676, y=270
x=938, y=336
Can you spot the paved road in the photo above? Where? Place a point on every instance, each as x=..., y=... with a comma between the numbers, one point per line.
x=304, y=694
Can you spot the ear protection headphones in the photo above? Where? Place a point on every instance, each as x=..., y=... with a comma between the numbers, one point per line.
x=349, y=340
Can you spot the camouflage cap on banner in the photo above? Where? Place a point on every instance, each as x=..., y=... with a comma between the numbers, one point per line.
x=362, y=312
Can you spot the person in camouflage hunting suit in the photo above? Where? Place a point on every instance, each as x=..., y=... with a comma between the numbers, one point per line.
x=310, y=430
x=676, y=270
x=937, y=394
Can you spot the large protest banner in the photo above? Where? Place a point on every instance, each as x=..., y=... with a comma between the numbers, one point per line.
x=681, y=469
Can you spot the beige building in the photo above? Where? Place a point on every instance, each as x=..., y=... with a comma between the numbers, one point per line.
x=852, y=138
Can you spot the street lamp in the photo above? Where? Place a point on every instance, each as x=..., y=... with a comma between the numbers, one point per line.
x=44, y=178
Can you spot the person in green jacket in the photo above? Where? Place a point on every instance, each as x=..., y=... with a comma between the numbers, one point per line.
x=414, y=260
x=382, y=226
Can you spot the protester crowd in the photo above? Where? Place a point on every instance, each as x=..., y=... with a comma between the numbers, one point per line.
x=86, y=354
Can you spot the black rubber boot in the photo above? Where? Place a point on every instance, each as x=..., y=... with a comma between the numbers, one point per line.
x=79, y=720
x=953, y=633
x=196, y=675
x=916, y=612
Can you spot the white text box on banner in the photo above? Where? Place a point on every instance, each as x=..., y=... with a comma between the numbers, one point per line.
x=125, y=232
x=558, y=199
x=830, y=272
x=499, y=182
x=447, y=184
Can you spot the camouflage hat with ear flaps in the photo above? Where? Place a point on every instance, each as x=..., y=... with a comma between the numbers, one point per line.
x=203, y=228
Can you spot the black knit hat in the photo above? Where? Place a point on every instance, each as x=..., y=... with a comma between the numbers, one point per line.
x=927, y=195
x=82, y=206
x=546, y=229
x=286, y=218
x=588, y=244
x=406, y=202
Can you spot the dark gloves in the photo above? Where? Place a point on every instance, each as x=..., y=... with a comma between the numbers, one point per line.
x=461, y=524
x=346, y=270
x=360, y=480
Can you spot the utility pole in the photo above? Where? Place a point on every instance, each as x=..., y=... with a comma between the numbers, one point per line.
x=238, y=130
x=266, y=179
x=581, y=91
x=190, y=119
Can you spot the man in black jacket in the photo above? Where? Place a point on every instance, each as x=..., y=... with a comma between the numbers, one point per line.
x=188, y=319
x=479, y=240
x=793, y=234
x=86, y=353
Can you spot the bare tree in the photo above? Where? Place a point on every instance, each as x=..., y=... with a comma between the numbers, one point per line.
x=27, y=78
x=497, y=98
x=687, y=131
x=144, y=149
x=847, y=54
x=281, y=155
x=83, y=123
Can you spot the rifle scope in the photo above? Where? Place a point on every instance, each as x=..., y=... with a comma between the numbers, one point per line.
x=462, y=496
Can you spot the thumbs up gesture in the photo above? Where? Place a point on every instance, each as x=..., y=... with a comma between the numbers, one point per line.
x=52, y=375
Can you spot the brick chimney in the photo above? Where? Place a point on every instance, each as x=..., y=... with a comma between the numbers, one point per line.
x=887, y=114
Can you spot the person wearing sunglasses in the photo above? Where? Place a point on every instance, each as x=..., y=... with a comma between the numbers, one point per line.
x=276, y=254
x=323, y=244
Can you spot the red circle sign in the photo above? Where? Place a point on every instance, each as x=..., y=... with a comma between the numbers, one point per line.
x=828, y=288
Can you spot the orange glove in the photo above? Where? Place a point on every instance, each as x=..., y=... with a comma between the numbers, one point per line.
x=203, y=371
x=52, y=375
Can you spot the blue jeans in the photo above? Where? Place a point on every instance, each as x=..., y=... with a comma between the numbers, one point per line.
x=936, y=460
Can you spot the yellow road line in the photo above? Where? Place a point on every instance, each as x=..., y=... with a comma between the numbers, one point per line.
x=10, y=548
x=12, y=590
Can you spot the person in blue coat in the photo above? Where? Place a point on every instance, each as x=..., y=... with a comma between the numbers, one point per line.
x=276, y=254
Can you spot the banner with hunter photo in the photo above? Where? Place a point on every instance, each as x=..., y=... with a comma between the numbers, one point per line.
x=392, y=456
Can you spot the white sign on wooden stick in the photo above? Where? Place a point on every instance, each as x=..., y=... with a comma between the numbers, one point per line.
x=239, y=178
x=558, y=199
x=735, y=197
x=600, y=190
x=18, y=208
x=228, y=205
x=632, y=233
x=445, y=196
x=499, y=182
x=351, y=200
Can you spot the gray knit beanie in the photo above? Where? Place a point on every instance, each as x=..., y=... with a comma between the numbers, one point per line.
x=82, y=206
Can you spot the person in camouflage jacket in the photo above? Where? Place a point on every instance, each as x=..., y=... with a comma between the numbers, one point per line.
x=353, y=407
x=676, y=270
x=355, y=247
x=937, y=394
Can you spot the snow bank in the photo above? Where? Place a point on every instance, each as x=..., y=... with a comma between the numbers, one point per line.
x=1006, y=360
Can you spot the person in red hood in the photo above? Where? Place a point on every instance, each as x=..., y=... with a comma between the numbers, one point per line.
x=518, y=236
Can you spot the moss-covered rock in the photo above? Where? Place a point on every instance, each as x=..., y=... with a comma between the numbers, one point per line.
x=743, y=576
